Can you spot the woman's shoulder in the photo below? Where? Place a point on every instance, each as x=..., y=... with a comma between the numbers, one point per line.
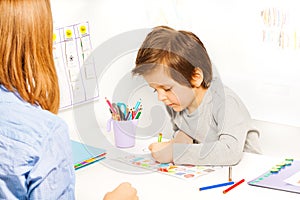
x=29, y=123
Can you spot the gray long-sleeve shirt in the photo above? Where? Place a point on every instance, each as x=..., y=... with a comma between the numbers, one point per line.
x=221, y=128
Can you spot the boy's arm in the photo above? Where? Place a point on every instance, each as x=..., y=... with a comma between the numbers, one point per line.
x=228, y=149
x=181, y=137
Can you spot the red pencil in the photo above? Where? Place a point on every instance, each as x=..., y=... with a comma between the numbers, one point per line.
x=233, y=186
x=110, y=106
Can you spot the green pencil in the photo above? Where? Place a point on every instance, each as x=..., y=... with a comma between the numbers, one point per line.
x=159, y=137
x=138, y=115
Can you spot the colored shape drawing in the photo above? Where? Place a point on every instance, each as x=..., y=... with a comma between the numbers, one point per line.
x=186, y=172
x=68, y=33
x=82, y=29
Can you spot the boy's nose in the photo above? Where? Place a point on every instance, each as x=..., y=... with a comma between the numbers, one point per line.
x=161, y=95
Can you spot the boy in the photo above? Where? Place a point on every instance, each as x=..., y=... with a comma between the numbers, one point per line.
x=211, y=124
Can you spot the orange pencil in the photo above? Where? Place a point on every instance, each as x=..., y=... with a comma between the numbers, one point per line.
x=233, y=186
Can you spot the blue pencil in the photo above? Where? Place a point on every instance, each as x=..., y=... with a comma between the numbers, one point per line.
x=136, y=107
x=215, y=186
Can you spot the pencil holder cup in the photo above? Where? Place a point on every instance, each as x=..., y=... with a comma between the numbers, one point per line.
x=124, y=132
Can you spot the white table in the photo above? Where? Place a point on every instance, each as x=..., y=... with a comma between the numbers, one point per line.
x=94, y=181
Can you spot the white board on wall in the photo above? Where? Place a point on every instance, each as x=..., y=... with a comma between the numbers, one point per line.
x=265, y=76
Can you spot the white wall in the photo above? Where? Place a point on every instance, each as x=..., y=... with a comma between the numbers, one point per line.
x=263, y=75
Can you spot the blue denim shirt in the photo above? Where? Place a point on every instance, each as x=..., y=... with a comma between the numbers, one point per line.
x=35, y=152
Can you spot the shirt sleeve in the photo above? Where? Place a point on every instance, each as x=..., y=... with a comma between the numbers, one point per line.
x=53, y=175
x=232, y=130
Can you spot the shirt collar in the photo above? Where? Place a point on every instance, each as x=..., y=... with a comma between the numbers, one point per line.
x=11, y=97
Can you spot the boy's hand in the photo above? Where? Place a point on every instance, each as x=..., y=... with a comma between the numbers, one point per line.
x=183, y=138
x=162, y=151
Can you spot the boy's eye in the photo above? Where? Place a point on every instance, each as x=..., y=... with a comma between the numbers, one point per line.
x=165, y=89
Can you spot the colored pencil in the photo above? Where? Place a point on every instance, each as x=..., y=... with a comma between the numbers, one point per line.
x=138, y=115
x=230, y=173
x=233, y=186
x=216, y=186
x=110, y=106
x=159, y=137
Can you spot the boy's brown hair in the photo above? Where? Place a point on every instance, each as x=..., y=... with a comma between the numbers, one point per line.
x=181, y=51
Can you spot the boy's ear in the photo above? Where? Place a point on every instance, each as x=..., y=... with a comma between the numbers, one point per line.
x=197, y=77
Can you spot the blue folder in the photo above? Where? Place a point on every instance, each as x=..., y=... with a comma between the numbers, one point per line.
x=84, y=155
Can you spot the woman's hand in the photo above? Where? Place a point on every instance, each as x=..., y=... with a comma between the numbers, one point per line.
x=123, y=192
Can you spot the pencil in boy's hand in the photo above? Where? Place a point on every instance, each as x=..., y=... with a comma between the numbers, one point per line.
x=159, y=137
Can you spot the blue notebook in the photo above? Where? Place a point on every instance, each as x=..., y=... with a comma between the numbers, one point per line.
x=84, y=155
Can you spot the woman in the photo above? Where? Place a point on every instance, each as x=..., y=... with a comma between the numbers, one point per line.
x=35, y=151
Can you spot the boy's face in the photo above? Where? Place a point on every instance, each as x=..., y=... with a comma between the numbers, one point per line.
x=170, y=92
